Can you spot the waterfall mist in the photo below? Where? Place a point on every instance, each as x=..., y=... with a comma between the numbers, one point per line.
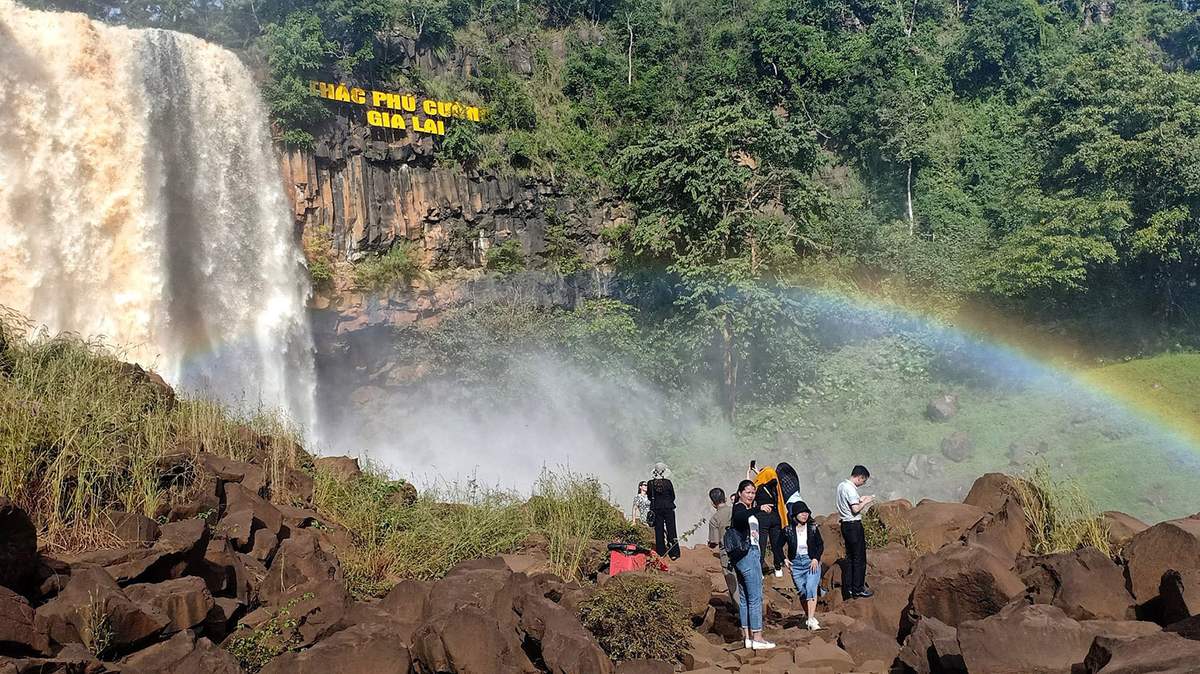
x=140, y=200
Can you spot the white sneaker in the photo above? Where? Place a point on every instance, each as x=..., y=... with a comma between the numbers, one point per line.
x=812, y=624
x=779, y=573
x=762, y=645
x=749, y=643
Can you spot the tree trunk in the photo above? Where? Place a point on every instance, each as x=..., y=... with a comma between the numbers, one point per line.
x=730, y=368
x=629, y=55
x=909, y=194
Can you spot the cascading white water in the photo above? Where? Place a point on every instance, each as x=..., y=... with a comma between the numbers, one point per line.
x=140, y=200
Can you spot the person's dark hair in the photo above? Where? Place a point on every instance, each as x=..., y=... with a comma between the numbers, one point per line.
x=743, y=484
x=797, y=507
x=860, y=471
x=716, y=495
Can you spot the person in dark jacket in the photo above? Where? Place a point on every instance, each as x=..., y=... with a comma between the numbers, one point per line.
x=662, y=509
x=805, y=546
x=771, y=523
x=744, y=519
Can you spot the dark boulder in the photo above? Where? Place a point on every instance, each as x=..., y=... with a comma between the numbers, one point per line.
x=359, y=649
x=942, y=408
x=19, y=635
x=1035, y=639
x=1166, y=546
x=181, y=654
x=184, y=602
x=960, y=583
x=18, y=547
x=343, y=468
x=1085, y=584
x=932, y=648
x=1163, y=653
x=91, y=605
x=958, y=446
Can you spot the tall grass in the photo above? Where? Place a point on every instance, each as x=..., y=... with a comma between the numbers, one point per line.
x=572, y=511
x=393, y=540
x=82, y=433
x=1059, y=515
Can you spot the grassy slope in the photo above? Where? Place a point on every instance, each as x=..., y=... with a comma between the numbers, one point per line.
x=1125, y=462
x=1165, y=386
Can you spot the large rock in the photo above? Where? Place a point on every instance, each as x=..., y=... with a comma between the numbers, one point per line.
x=1004, y=531
x=469, y=640
x=343, y=468
x=248, y=475
x=934, y=523
x=1035, y=639
x=228, y=573
x=991, y=492
x=93, y=603
x=566, y=646
x=942, y=408
x=958, y=446
x=184, y=602
x=18, y=546
x=819, y=653
x=359, y=649
x=301, y=563
x=1085, y=584
x=240, y=499
x=1178, y=598
x=932, y=648
x=181, y=654
x=130, y=527
x=1122, y=528
x=479, y=599
x=865, y=644
x=180, y=547
x=884, y=611
x=405, y=607
x=1163, y=653
x=313, y=614
x=960, y=583
x=1166, y=546
x=19, y=634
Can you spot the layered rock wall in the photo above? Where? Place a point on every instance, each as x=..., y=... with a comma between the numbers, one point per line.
x=363, y=192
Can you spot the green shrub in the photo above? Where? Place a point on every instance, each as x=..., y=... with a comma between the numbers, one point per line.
x=1059, y=516
x=321, y=273
x=876, y=531
x=636, y=616
x=254, y=648
x=506, y=258
x=401, y=264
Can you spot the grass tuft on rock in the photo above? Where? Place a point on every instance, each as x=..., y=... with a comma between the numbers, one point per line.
x=636, y=616
x=1059, y=515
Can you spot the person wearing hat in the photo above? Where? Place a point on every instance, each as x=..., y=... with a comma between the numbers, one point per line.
x=662, y=511
x=806, y=546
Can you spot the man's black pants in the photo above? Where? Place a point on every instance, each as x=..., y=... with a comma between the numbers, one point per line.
x=855, y=579
x=665, y=539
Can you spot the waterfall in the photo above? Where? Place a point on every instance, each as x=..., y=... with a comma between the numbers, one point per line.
x=140, y=200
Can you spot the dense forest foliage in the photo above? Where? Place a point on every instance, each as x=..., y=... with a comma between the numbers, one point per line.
x=1033, y=159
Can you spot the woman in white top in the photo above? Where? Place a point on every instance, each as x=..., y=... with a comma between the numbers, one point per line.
x=804, y=539
x=749, y=568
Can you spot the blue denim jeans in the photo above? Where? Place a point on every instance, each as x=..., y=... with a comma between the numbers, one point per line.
x=806, y=580
x=750, y=589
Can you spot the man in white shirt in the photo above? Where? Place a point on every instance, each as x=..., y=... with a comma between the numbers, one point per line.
x=850, y=508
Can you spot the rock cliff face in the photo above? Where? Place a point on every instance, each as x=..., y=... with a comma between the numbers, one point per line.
x=364, y=193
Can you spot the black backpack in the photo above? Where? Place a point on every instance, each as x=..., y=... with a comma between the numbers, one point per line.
x=735, y=544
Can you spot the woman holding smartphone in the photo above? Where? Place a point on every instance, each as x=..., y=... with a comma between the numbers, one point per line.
x=749, y=568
